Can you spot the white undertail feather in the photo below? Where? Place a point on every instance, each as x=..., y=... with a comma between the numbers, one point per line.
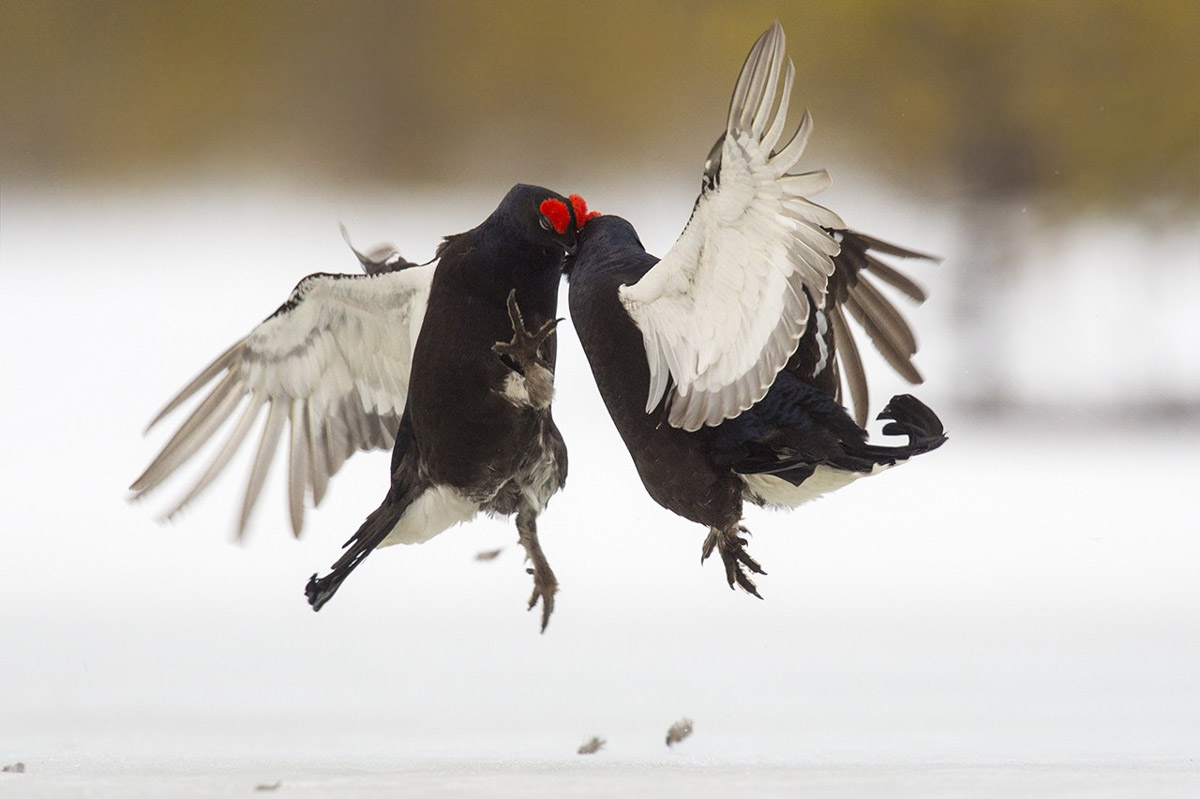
x=772, y=491
x=332, y=368
x=725, y=308
x=436, y=510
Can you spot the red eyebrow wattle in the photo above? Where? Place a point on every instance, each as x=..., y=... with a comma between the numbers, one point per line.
x=582, y=215
x=580, y=206
x=556, y=211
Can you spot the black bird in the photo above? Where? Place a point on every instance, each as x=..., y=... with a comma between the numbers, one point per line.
x=719, y=363
x=464, y=402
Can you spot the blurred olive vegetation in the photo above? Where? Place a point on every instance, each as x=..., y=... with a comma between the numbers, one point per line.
x=1075, y=105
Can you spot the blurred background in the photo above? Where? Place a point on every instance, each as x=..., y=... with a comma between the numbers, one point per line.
x=169, y=170
x=1037, y=136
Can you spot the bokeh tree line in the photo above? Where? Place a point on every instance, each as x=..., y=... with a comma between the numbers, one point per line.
x=1084, y=104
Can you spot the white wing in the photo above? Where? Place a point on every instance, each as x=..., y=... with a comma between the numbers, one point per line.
x=724, y=309
x=331, y=366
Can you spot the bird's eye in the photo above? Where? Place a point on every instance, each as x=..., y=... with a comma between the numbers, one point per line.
x=555, y=216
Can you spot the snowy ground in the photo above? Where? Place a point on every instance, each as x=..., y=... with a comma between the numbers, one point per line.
x=1017, y=614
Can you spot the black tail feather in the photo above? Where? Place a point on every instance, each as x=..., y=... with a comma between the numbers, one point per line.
x=910, y=417
x=907, y=416
x=371, y=534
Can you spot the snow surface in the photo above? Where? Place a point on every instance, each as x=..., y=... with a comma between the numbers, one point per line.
x=1016, y=614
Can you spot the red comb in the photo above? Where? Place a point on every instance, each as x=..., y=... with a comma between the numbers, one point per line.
x=556, y=211
x=581, y=212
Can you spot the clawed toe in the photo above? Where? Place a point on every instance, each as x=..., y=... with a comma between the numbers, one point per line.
x=544, y=588
x=525, y=347
x=735, y=557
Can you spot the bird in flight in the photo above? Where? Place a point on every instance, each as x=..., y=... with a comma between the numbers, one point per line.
x=721, y=364
x=449, y=364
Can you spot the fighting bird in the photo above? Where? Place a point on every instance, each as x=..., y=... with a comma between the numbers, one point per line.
x=451, y=364
x=719, y=364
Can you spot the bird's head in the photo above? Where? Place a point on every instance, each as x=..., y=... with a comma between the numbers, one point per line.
x=605, y=241
x=544, y=217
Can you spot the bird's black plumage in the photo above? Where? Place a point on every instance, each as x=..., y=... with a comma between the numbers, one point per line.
x=477, y=432
x=674, y=464
x=704, y=475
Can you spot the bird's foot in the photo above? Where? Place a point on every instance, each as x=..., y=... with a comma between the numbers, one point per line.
x=524, y=350
x=545, y=584
x=733, y=552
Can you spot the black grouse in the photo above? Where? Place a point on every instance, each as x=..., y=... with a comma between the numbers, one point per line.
x=451, y=364
x=719, y=363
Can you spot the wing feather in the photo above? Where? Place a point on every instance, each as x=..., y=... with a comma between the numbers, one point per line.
x=895, y=279
x=232, y=443
x=805, y=182
x=852, y=289
x=766, y=99
x=272, y=430
x=896, y=327
x=332, y=366
x=208, y=416
x=883, y=339
x=803, y=210
x=725, y=308
x=771, y=137
x=319, y=474
x=201, y=380
x=786, y=158
x=856, y=377
x=297, y=465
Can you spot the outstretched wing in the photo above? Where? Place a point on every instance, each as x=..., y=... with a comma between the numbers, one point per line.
x=724, y=309
x=852, y=290
x=331, y=366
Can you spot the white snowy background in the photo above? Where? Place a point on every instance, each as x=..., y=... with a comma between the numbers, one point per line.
x=1015, y=614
